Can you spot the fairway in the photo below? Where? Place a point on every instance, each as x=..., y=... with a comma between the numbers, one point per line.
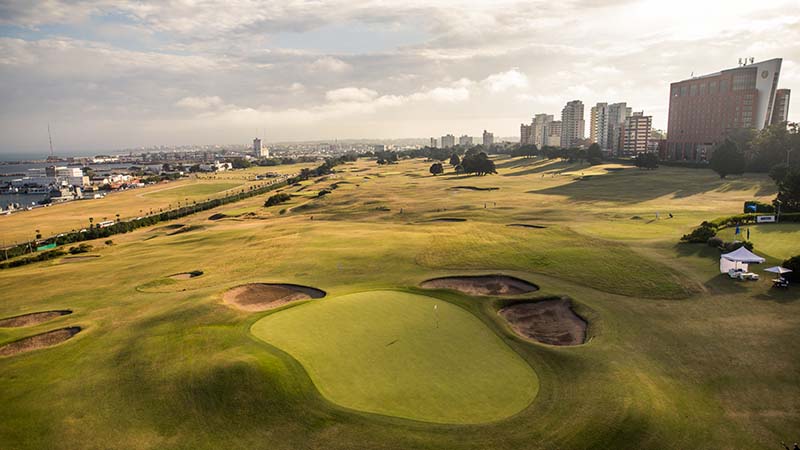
x=385, y=352
x=192, y=190
x=778, y=240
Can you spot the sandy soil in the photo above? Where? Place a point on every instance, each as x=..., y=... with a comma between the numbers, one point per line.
x=548, y=321
x=265, y=296
x=482, y=285
x=38, y=341
x=26, y=320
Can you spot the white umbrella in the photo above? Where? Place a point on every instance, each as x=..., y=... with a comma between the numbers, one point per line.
x=778, y=269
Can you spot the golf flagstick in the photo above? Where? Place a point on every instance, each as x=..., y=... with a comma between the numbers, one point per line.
x=436, y=316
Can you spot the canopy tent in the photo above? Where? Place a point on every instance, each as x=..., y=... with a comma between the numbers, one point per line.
x=778, y=269
x=738, y=260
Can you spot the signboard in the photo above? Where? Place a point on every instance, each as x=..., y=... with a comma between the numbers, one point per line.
x=46, y=247
x=765, y=219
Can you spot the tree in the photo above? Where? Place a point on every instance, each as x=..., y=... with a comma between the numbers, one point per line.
x=454, y=160
x=727, y=159
x=773, y=145
x=479, y=164
x=594, y=154
x=436, y=168
x=789, y=191
x=646, y=161
x=527, y=150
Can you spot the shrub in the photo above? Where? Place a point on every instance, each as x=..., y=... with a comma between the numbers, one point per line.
x=792, y=263
x=277, y=199
x=753, y=206
x=109, y=242
x=715, y=242
x=323, y=193
x=83, y=248
x=701, y=234
x=728, y=247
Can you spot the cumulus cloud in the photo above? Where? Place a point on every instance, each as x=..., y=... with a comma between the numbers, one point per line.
x=199, y=102
x=218, y=64
x=503, y=81
x=351, y=94
x=330, y=64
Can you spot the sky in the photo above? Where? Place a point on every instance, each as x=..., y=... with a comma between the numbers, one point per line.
x=125, y=74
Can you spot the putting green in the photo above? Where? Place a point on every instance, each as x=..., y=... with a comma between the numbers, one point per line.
x=382, y=352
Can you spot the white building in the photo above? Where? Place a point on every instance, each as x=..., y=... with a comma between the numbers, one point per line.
x=465, y=141
x=488, y=139
x=448, y=141
x=573, y=126
x=598, y=125
x=539, y=129
x=617, y=113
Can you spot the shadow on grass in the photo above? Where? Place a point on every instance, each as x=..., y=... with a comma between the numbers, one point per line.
x=640, y=186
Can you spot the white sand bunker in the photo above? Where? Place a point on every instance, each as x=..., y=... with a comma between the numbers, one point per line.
x=482, y=285
x=548, y=321
x=256, y=297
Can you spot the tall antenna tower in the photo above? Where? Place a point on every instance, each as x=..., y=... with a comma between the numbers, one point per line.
x=50, y=137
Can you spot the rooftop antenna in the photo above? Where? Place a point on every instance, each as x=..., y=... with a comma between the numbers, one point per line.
x=50, y=137
x=740, y=62
x=752, y=60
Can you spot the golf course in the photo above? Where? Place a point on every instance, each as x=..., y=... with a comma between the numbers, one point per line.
x=548, y=306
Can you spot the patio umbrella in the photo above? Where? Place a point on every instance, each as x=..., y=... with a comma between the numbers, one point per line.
x=778, y=269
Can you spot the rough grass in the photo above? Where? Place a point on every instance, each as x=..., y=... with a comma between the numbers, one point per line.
x=181, y=370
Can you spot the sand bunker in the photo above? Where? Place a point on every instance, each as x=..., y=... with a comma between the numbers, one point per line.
x=265, y=296
x=525, y=225
x=39, y=341
x=217, y=216
x=447, y=219
x=186, y=229
x=72, y=259
x=475, y=188
x=482, y=285
x=36, y=318
x=548, y=321
x=186, y=275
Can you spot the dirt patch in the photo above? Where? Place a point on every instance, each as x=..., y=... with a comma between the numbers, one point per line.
x=265, y=296
x=36, y=318
x=186, y=275
x=482, y=285
x=447, y=219
x=475, y=188
x=525, y=225
x=72, y=259
x=548, y=321
x=38, y=341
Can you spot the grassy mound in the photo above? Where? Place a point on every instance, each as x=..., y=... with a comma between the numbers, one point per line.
x=392, y=353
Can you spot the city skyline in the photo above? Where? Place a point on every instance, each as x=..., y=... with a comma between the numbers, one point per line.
x=111, y=75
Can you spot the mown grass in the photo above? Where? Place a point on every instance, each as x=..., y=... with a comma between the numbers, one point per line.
x=179, y=369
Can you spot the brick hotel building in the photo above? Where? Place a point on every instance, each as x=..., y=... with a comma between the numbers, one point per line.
x=703, y=110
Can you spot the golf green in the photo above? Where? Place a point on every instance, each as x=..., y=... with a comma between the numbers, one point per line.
x=404, y=355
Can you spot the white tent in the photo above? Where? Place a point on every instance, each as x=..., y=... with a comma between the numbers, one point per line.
x=738, y=259
x=778, y=269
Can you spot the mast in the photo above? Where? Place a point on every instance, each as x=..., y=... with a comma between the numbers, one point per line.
x=50, y=137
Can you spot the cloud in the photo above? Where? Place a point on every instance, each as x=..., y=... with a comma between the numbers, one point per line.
x=330, y=64
x=199, y=102
x=503, y=81
x=351, y=94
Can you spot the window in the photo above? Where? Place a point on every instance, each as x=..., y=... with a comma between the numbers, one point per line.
x=723, y=85
x=693, y=90
x=703, y=89
x=744, y=79
x=684, y=91
x=676, y=92
x=748, y=100
x=712, y=87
